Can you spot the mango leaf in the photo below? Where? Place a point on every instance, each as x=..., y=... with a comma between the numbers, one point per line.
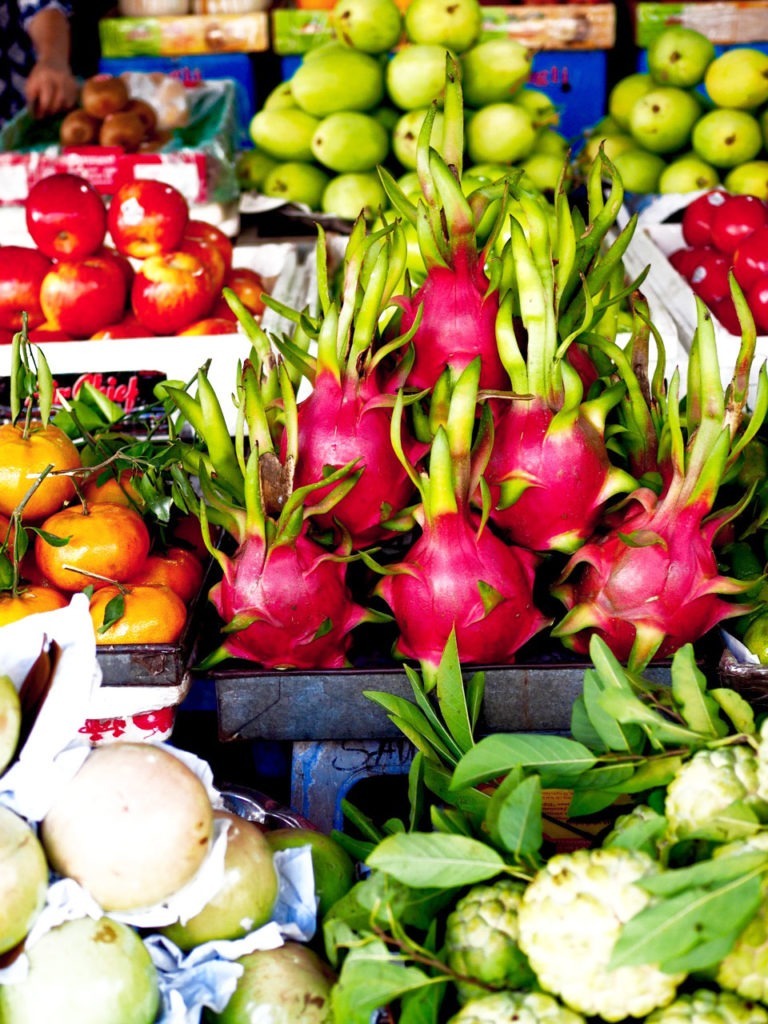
x=422, y=1006
x=608, y=673
x=689, y=690
x=591, y=801
x=451, y=695
x=371, y=977
x=738, y=710
x=557, y=759
x=471, y=801
x=656, y=772
x=582, y=728
x=514, y=814
x=717, y=871
x=475, y=693
x=411, y=721
x=678, y=926
x=661, y=732
x=450, y=821
x=736, y=821
x=434, y=860
x=605, y=776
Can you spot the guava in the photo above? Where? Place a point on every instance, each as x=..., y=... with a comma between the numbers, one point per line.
x=539, y=105
x=487, y=172
x=500, y=133
x=493, y=70
x=405, y=137
x=749, y=179
x=373, y=26
x=85, y=971
x=252, y=167
x=543, y=171
x=662, y=120
x=612, y=145
x=410, y=184
x=454, y=24
x=287, y=985
x=284, y=133
x=280, y=97
x=349, y=195
x=687, y=173
x=639, y=170
x=350, y=140
x=726, y=138
x=246, y=897
x=10, y=721
x=386, y=116
x=23, y=878
x=415, y=76
x=297, y=181
x=338, y=78
x=679, y=55
x=624, y=94
x=738, y=78
x=133, y=826
x=333, y=868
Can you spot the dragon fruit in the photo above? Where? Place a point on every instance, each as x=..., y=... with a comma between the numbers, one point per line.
x=452, y=314
x=458, y=574
x=549, y=473
x=651, y=583
x=346, y=417
x=283, y=596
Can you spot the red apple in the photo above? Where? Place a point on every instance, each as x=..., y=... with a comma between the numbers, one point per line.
x=123, y=263
x=211, y=325
x=128, y=327
x=6, y=336
x=66, y=217
x=205, y=232
x=22, y=270
x=170, y=291
x=210, y=257
x=146, y=218
x=81, y=296
x=750, y=261
x=248, y=286
x=222, y=311
x=49, y=332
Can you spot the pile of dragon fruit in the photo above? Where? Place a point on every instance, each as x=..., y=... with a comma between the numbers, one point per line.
x=486, y=415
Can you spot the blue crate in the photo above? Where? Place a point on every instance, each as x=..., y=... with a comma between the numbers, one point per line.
x=194, y=69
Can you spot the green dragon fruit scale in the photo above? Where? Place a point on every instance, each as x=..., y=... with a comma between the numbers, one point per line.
x=570, y=917
x=516, y=1008
x=481, y=940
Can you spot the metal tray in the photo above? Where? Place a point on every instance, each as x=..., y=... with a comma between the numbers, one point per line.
x=330, y=705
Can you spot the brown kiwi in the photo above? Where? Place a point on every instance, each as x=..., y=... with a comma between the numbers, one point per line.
x=79, y=129
x=104, y=94
x=122, y=129
x=146, y=112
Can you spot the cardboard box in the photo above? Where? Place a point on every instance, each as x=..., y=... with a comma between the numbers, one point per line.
x=125, y=369
x=199, y=160
x=724, y=22
x=184, y=35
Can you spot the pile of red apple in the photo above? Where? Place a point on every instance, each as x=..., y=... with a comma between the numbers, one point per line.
x=724, y=231
x=136, y=266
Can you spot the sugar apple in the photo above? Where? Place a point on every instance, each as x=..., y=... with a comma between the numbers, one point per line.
x=481, y=939
x=640, y=818
x=570, y=917
x=516, y=1008
x=705, y=786
x=705, y=1006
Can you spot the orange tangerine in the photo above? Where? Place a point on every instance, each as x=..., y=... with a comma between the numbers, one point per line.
x=118, y=488
x=32, y=599
x=24, y=457
x=105, y=539
x=151, y=614
x=177, y=568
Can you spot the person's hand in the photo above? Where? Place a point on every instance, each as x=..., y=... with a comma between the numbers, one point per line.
x=50, y=89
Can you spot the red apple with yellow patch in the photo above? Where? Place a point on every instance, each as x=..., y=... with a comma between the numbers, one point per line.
x=66, y=217
x=171, y=291
x=129, y=327
x=211, y=325
x=81, y=296
x=22, y=270
x=146, y=218
x=248, y=285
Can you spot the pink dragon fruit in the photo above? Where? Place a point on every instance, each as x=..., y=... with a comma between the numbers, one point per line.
x=459, y=575
x=549, y=473
x=452, y=314
x=346, y=417
x=282, y=595
x=651, y=583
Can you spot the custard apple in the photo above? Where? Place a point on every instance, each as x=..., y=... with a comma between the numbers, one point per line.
x=570, y=917
x=481, y=939
x=707, y=1007
x=516, y=1008
x=705, y=786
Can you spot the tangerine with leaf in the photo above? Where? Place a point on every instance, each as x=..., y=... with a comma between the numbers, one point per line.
x=175, y=567
x=28, y=600
x=137, y=614
x=94, y=544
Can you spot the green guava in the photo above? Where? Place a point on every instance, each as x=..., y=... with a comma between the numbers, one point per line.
x=373, y=26
x=749, y=179
x=297, y=181
x=679, y=55
x=10, y=721
x=639, y=170
x=500, y=133
x=349, y=195
x=726, y=138
x=333, y=868
x=625, y=93
x=338, y=77
x=284, y=133
x=350, y=140
x=494, y=70
x=405, y=137
x=23, y=878
x=738, y=78
x=415, y=75
x=662, y=120
x=687, y=173
x=539, y=105
x=454, y=24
